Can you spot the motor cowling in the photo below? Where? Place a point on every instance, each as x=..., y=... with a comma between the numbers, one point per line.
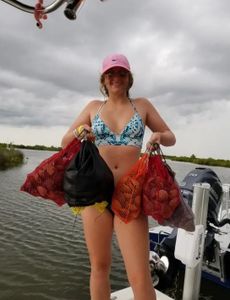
x=204, y=175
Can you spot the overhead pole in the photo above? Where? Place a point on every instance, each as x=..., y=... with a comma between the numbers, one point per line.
x=30, y=9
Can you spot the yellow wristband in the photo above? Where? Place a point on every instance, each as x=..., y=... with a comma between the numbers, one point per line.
x=80, y=129
x=79, y=132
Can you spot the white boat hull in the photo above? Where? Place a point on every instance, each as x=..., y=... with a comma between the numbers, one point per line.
x=127, y=294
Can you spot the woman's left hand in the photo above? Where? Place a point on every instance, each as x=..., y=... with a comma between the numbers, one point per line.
x=154, y=139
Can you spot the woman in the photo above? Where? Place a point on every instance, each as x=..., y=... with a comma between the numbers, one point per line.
x=118, y=125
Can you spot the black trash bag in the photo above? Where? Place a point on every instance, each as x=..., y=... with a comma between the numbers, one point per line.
x=88, y=179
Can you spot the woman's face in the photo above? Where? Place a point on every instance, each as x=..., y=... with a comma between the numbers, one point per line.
x=116, y=80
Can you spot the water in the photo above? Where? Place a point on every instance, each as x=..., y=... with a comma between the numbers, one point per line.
x=42, y=257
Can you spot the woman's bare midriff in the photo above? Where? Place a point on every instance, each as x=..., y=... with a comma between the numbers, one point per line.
x=119, y=158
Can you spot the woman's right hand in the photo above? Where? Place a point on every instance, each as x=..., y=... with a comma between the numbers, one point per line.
x=85, y=132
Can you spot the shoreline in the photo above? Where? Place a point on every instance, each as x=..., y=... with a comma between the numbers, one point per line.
x=192, y=159
x=201, y=161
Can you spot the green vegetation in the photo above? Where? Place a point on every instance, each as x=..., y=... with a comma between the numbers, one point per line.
x=201, y=161
x=9, y=157
x=37, y=147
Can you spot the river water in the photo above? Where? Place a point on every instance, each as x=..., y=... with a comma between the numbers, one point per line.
x=42, y=255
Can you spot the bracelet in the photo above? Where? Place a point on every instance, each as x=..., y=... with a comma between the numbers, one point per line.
x=79, y=132
x=75, y=133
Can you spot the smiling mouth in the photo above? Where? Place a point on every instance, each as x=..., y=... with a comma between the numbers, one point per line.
x=118, y=85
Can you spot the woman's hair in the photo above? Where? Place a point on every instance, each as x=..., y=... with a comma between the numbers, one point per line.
x=105, y=91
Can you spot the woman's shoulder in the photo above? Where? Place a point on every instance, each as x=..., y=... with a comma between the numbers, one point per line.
x=142, y=102
x=94, y=104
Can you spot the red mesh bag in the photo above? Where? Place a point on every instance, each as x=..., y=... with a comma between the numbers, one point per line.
x=46, y=180
x=182, y=217
x=162, y=198
x=161, y=193
x=126, y=201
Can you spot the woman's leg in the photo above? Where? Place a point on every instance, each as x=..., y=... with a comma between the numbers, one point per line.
x=133, y=240
x=98, y=229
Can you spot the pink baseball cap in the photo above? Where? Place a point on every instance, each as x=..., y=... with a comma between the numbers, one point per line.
x=115, y=60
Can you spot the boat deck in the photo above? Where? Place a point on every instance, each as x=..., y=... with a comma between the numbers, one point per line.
x=127, y=294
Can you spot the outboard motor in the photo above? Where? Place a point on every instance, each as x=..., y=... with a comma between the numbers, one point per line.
x=204, y=175
x=165, y=249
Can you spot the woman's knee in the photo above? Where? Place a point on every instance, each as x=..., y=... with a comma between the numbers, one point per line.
x=137, y=277
x=100, y=268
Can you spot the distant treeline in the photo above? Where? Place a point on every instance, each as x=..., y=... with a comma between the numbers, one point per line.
x=192, y=159
x=201, y=161
x=35, y=147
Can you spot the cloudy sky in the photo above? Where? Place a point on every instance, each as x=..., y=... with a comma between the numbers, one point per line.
x=179, y=51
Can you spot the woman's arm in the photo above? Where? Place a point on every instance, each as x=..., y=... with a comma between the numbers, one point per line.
x=83, y=119
x=161, y=132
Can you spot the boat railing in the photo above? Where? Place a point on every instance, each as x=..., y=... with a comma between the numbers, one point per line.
x=30, y=9
x=72, y=6
x=224, y=212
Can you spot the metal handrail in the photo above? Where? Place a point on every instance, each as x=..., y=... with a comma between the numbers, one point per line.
x=30, y=9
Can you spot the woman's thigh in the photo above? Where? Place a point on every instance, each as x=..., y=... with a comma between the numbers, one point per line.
x=133, y=239
x=98, y=230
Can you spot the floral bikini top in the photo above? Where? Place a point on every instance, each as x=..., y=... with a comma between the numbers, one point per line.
x=131, y=135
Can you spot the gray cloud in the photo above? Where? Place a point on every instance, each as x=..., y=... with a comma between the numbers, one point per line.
x=179, y=51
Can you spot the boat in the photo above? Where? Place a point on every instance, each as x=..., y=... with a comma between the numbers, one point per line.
x=216, y=254
x=126, y=294
x=210, y=258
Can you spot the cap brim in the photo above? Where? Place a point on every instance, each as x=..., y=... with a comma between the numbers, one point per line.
x=115, y=66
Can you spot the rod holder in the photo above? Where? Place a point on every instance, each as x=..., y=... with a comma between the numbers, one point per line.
x=71, y=8
x=192, y=279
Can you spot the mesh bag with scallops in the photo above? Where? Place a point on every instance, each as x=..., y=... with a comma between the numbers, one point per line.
x=162, y=198
x=46, y=180
x=161, y=194
x=126, y=201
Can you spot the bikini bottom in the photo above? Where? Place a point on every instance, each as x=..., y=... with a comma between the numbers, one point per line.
x=100, y=206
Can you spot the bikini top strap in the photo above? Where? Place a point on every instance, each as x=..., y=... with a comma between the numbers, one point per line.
x=134, y=107
x=104, y=102
x=100, y=107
